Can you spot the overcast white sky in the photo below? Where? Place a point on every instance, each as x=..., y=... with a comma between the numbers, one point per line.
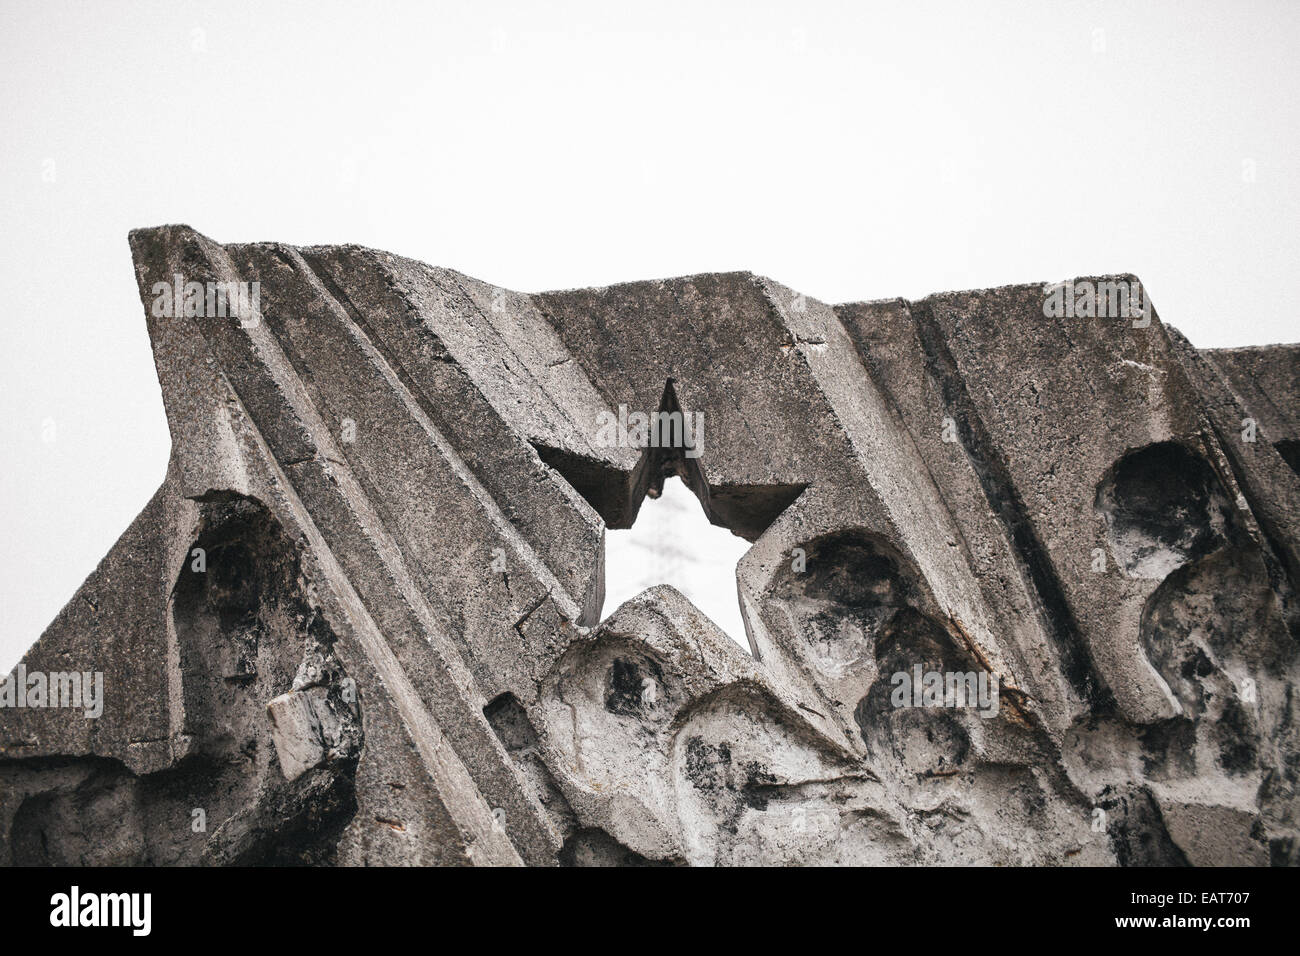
x=849, y=150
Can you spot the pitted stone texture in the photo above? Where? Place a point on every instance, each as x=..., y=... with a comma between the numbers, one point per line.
x=361, y=621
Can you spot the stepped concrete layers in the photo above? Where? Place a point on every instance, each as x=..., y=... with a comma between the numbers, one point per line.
x=1021, y=587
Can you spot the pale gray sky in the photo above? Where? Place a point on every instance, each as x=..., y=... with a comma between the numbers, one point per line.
x=849, y=150
x=672, y=542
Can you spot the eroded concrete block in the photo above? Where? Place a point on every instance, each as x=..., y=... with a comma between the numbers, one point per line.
x=1021, y=587
x=296, y=733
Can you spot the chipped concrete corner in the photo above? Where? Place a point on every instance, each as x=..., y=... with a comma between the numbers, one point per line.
x=360, y=622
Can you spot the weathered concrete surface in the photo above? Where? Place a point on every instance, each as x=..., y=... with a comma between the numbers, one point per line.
x=360, y=622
